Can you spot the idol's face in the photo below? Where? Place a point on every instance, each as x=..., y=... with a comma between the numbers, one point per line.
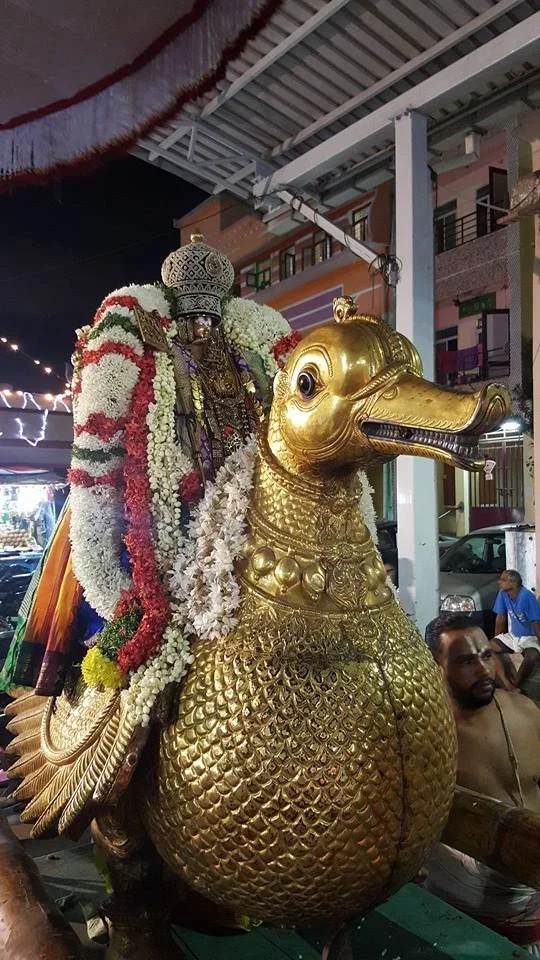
x=202, y=326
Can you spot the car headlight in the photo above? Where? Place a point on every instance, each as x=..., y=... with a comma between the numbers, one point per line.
x=454, y=603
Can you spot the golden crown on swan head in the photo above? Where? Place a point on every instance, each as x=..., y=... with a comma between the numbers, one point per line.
x=199, y=275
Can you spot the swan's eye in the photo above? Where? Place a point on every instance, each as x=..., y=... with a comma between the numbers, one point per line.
x=306, y=384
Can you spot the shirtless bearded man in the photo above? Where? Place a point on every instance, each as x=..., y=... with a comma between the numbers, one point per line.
x=499, y=756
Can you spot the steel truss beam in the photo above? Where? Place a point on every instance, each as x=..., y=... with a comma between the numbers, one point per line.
x=326, y=11
x=400, y=73
x=455, y=81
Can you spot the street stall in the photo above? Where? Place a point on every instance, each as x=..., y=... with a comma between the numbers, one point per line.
x=26, y=514
x=36, y=431
x=29, y=502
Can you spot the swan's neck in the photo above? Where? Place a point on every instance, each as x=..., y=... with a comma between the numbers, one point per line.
x=308, y=546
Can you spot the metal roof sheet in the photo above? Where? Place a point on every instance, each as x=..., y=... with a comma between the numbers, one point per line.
x=320, y=66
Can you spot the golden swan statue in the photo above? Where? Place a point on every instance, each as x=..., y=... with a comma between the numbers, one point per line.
x=306, y=763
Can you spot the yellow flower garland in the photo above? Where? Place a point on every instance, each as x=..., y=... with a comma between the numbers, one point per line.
x=99, y=671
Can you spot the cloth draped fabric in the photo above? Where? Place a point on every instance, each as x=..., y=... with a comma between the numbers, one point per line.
x=458, y=361
x=41, y=650
x=509, y=908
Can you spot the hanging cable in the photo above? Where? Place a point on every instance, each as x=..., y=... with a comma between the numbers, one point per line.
x=389, y=268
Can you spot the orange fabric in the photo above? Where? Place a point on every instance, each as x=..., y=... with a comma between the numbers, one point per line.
x=57, y=595
x=42, y=648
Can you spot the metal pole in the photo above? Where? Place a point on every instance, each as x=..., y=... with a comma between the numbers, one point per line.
x=355, y=246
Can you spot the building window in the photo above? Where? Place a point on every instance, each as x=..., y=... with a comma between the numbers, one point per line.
x=491, y=202
x=287, y=263
x=307, y=257
x=447, y=339
x=261, y=277
x=322, y=247
x=495, y=340
x=360, y=223
x=445, y=226
x=455, y=365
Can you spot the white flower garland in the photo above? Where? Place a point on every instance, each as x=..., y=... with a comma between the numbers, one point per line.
x=203, y=575
x=166, y=666
x=205, y=591
x=95, y=553
x=107, y=386
x=367, y=508
x=253, y=326
x=166, y=466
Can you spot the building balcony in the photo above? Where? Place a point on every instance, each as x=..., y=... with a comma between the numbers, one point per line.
x=468, y=259
x=473, y=365
x=452, y=233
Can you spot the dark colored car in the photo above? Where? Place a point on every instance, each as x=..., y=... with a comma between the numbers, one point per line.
x=15, y=574
x=387, y=533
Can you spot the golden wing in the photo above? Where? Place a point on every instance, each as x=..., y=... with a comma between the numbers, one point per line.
x=76, y=752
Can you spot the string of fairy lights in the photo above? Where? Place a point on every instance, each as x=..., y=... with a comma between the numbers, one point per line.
x=26, y=400
x=45, y=368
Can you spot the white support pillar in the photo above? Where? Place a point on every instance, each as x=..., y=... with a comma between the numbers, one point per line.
x=536, y=367
x=417, y=523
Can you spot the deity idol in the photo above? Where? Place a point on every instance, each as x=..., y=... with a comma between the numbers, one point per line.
x=256, y=719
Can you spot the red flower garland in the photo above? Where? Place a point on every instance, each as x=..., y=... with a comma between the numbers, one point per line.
x=128, y=600
x=81, y=342
x=284, y=346
x=138, y=539
x=101, y=426
x=82, y=478
x=111, y=346
x=123, y=300
x=191, y=488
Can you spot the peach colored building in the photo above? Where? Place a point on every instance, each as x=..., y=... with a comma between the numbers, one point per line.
x=296, y=268
x=293, y=266
x=481, y=300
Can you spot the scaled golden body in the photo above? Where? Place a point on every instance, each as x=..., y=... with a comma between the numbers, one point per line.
x=311, y=766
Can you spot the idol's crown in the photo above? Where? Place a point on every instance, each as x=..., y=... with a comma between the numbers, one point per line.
x=200, y=276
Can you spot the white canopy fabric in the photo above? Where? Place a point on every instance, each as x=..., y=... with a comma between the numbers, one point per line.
x=79, y=79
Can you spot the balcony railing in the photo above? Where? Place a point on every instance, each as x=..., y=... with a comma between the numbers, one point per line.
x=467, y=366
x=454, y=233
